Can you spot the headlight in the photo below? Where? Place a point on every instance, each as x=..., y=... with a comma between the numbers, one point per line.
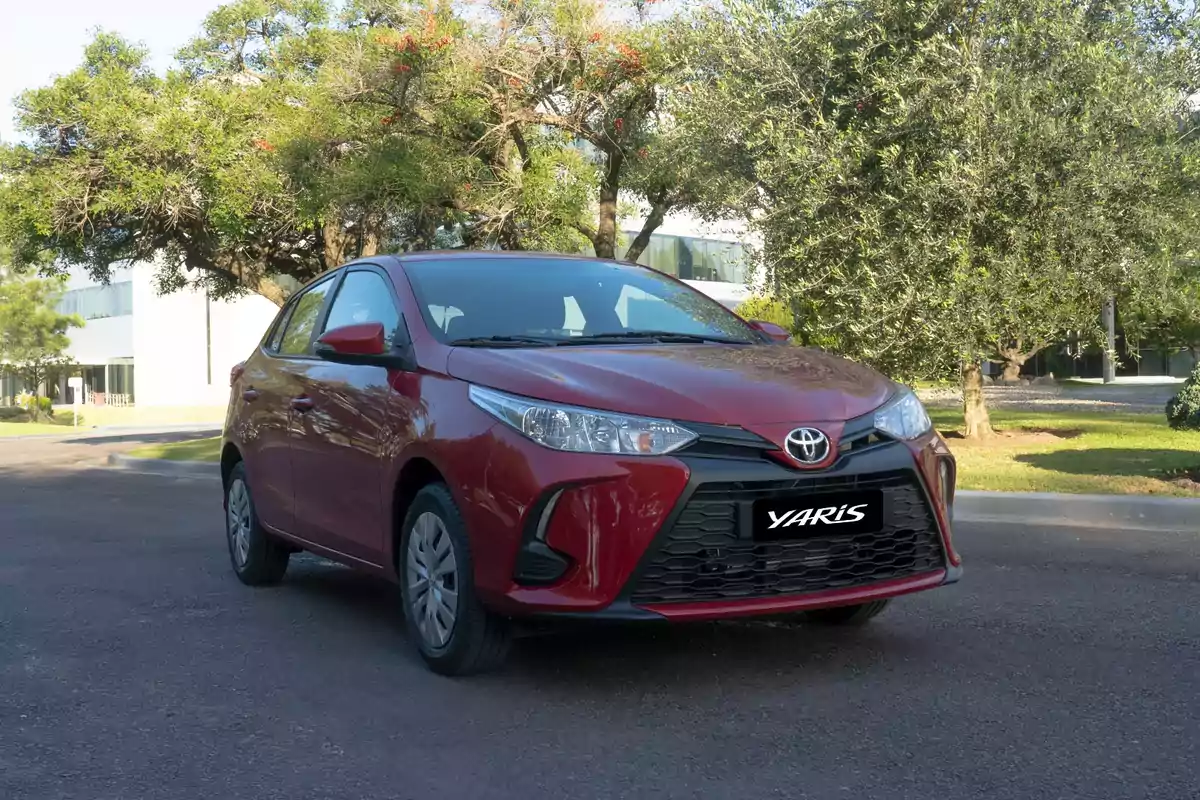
x=582, y=430
x=904, y=417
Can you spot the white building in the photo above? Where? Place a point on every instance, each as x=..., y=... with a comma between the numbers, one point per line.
x=141, y=348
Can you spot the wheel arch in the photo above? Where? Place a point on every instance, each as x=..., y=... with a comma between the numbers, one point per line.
x=417, y=473
x=231, y=456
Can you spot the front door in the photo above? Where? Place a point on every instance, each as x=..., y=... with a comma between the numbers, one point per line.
x=265, y=392
x=343, y=420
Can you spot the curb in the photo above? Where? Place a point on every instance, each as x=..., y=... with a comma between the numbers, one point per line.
x=161, y=466
x=1122, y=512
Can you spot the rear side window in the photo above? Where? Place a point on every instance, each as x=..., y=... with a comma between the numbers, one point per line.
x=364, y=297
x=298, y=331
x=280, y=326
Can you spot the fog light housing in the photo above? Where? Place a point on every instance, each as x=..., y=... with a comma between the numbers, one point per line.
x=946, y=486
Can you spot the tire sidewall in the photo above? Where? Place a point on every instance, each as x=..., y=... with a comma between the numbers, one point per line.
x=239, y=474
x=436, y=499
x=266, y=561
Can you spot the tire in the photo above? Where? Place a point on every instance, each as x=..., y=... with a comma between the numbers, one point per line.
x=258, y=558
x=847, y=615
x=451, y=629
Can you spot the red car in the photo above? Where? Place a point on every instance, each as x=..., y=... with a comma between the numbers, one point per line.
x=532, y=436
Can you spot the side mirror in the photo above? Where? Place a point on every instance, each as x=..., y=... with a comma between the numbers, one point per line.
x=353, y=344
x=775, y=333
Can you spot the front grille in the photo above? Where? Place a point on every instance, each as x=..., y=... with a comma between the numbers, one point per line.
x=708, y=553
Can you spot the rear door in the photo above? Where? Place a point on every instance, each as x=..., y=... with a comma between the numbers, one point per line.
x=342, y=429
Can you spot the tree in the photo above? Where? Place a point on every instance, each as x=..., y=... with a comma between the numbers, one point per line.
x=288, y=139
x=946, y=182
x=33, y=335
x=564, y=105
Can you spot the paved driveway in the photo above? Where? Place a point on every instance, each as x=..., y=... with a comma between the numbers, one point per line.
x=133, y=665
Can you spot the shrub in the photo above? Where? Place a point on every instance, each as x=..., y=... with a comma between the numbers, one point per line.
x=35, y=406
x=768, y=309
x=13, y=414
x=1183, y=410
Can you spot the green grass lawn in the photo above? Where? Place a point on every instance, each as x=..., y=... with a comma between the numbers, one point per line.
x=193, y=450
x=1079, y=453
x=1036, y=451
x=32, y=429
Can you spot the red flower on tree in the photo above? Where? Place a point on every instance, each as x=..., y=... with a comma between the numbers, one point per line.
x=595, y=37
x=619, y=124
x=263, y=144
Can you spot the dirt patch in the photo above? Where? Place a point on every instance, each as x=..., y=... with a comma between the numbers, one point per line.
x=1185, y=478
x=1016, y=436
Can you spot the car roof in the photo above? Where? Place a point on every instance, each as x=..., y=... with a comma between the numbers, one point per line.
x=474, y=255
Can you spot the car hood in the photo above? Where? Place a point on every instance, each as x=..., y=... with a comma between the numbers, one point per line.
x=724, y=385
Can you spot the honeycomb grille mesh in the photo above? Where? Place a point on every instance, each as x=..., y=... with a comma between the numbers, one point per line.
x=702, y=557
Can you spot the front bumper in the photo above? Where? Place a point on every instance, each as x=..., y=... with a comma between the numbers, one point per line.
x=670, y=538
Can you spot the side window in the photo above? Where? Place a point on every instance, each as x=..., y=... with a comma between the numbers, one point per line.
x=297, y=333
x=364, y=297
x=280, y=325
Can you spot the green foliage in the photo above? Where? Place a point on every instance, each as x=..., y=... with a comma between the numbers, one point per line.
x=767, y=309
x=290, y=138
x=33, y=335
x=1183, y=410
x=34, y=406
x=13, y=414
x=944, y=182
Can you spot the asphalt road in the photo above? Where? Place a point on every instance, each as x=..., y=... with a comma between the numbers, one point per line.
x=134, y=666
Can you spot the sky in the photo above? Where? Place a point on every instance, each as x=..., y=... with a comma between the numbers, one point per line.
x=43, y=38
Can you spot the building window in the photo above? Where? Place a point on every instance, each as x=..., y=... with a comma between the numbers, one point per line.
x=99, y=302
x=692, y=258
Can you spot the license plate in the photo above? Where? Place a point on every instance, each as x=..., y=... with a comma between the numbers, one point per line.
x=800, y=517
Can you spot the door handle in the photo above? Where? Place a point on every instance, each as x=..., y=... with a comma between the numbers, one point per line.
x=302, y=403
x=250, y=395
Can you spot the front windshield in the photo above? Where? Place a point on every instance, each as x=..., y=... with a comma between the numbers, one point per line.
x=473, y=299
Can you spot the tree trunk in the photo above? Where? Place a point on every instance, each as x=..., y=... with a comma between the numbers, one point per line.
x=1012, y=370
x=334, y=239
x=978, y=425
x=606, y=229
x=658, y=211
x=271, y=290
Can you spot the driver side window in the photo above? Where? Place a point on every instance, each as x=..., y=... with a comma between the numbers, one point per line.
x=364, y=297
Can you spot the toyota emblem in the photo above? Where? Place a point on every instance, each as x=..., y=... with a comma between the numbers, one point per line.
x=807, y=445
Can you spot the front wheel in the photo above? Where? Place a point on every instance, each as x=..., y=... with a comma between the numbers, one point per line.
x=847, y=615
x=258, y=558
x=453, y=632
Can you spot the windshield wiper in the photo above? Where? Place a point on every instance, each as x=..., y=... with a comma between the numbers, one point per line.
x=508, y=341
x=665, y=337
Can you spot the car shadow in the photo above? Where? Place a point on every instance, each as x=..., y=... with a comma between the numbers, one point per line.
x=1122, y=462
x=605, y=658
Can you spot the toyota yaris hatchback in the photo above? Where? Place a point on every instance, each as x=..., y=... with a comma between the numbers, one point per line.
x=518, y=436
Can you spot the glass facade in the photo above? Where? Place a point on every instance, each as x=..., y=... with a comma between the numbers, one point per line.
x=691, y=258
x=99, y=302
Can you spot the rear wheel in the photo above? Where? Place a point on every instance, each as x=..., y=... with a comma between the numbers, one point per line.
x=847, y=615
x=258, y=558
x=453, y=632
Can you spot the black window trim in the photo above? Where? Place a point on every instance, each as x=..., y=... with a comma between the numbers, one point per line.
x=335, y=278
x=402, y=341
x=402, y=337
